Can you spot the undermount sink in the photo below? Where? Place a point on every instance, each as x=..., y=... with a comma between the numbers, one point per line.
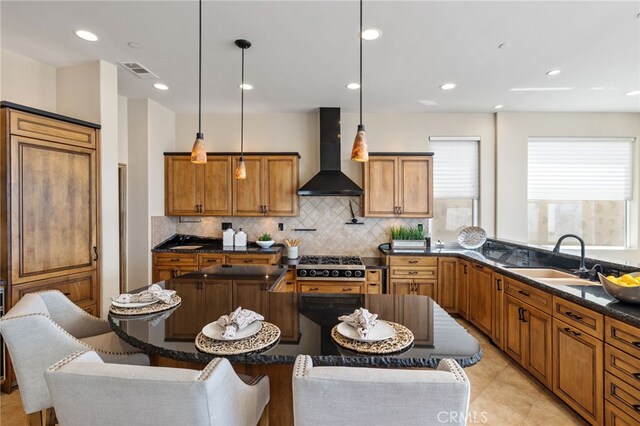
x=542, y=273
x=567, y=281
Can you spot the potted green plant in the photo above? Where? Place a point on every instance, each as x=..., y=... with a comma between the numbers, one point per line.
x=407, y=239
x=265, y=241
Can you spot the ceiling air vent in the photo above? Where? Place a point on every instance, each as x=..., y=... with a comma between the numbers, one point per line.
x=139, y=70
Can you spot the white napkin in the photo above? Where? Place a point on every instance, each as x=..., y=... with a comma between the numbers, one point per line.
x=237, y=320
x=362, y=320
x=152, y=294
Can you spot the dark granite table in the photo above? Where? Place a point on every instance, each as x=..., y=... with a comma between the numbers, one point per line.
x=305, y=321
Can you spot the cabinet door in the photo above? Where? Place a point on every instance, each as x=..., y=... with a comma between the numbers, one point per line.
x=380, y=187
x=282, y=310
x=53, y=209
x=185, y=324
x=401, y=286
x=577, y=370
x=417, y=316
x=497, y=333
x=481, y=298
x=514, y=339
x=218, y=300
x=462, y=289
x=247, y=193
x=281, y=186
x=183, y=185
x=165, y=272
x=537, y=359
x=415, y=186
x=425, y=288
x=216, y=186
x=447, y=283
x=250, y=295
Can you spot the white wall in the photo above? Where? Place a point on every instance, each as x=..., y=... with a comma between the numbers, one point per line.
x=123, y=130
x=162, y=130
x=27, y=82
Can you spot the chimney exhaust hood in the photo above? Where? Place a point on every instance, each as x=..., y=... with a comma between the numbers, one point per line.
x=330, y=180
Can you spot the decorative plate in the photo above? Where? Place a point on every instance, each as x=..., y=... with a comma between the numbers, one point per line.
x=472, y=237
x=132, y=305
x=381, y=331
x=214, y=331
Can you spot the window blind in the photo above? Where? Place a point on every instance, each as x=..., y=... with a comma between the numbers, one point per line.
x=580, y=168
x=455, y=167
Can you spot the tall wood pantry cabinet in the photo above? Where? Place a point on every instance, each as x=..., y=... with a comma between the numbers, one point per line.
x=49, y=232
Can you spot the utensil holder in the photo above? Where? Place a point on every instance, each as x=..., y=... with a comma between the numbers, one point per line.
x=292, y=252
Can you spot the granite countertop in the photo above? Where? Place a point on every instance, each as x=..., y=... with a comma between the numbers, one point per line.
x=503, y=257
x=194, y=244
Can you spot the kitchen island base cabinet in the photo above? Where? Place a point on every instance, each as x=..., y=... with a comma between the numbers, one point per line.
x=577, y=371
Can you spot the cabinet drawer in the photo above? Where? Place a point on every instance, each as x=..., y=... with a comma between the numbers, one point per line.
x=580, y=317
x=413, y=272
x=622, y=395
x=81, y=288
x=622, y=336
x=374, y=288
x=290, y=275
x=36, y=127
x=374, y=275
x=248, y=260
x=613, y=416
x=210, y=259
x=175, y=258
x=330, y=288
x=622, y=365
x=534, y=297
x=413, y=260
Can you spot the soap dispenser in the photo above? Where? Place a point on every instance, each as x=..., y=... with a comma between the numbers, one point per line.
x=227, y=237
x=241, y=239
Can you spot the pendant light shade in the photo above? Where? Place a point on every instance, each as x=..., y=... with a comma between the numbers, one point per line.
x=360, y=151
x=241, y=168
x=199, y=150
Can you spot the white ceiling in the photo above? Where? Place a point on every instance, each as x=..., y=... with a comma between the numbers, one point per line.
x=305, y=52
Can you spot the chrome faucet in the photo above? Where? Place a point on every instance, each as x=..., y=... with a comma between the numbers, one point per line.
x=583, y=269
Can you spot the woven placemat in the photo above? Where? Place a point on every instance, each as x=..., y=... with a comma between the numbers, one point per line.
x=145, y=310
x=268, y=335
x=402, y=339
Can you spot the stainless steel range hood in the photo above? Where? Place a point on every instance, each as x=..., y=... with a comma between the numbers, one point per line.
x=330, y=180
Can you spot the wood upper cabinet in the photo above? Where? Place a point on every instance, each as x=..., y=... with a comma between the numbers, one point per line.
x=398, y=186
x=462, y=289
x=447, y=283
x=481, y=298
x=197, y=189
x=270, y=188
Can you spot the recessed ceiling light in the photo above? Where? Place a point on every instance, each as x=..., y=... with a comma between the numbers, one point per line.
x=539, y=89
x=553, y=72
x=448, y=86
x=245, y=86
x=161, y=86
x=371, y=34
x=599, y=88
x=633, y=93
x=87, y=35
x=353, y=86
x=428, y=103
x=134, y=45
x=498, y=106
x=505, y=45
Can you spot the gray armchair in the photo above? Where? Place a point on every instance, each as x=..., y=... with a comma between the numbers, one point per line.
x=86, y=391
x=44, y=327
x=377, y=396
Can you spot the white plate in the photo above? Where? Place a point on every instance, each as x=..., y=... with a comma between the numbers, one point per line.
x=214, y=331
x=132, y=305
x=381, y=331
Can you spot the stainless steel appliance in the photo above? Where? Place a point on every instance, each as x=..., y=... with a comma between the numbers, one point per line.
x=330, y=268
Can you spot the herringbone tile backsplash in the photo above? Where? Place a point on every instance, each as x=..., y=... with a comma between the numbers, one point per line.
x=327, y=215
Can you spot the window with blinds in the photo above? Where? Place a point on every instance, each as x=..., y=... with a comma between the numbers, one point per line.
x=456, y=187
x=581, y=186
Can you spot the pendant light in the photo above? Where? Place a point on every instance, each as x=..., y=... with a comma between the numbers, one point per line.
x=199, y=150
x=360, y=152
x=241, y=169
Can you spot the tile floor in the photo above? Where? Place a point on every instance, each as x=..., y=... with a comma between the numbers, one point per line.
x=502, y=393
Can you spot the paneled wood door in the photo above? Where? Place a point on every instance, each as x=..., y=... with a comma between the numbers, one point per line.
x=381, y=187
x=447, y=283
x=185, y=324
x=54, y=209
x=538, y=353
x=481, y=298
x=514, y=338
x=247, y=193
x=218, y=297
x=183, y=186
x=415, y=182
x=250, y=295
x=215, y=198
x=281, y=186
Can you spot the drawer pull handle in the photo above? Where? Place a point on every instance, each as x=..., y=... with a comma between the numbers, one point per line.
x=175, y=260
x=498, y=282
x=574, y=316
x=524, y=293
x=636, y=375
x=413, y=261
x=413, y=272
x=636, y=344
x=248, y=261
x=347, y=289
x=570, y=331
x=373, y=283
x=95, y=253
x=636, y=407
x=67, y=294
x=314, y=289
x=478, y=266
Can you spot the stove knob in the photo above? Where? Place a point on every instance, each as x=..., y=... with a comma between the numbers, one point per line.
x=335, y=273
x=312, y=273
x=325, y=273
x=358, y=273
x=302, y=273
x=347, y=273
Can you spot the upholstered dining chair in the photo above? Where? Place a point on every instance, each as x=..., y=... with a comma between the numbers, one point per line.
x=44, y=327
x=377, y=396
x=86, y=391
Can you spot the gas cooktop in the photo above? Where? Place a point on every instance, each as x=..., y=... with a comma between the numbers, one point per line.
x=330, y=267
x=331, y=260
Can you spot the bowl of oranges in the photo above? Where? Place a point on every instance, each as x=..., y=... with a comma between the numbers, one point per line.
x=625, y=288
